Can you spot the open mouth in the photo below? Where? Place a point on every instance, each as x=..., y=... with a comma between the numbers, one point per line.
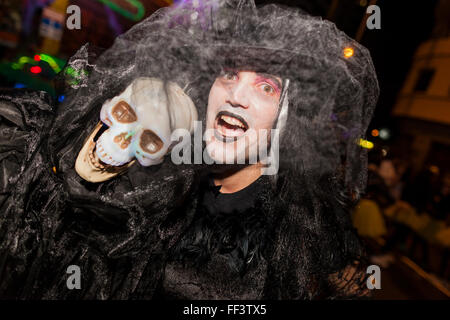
x=89, y=166
x=229, y=126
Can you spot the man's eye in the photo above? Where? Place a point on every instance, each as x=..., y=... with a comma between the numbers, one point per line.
x=230, y=76
x=267, y=88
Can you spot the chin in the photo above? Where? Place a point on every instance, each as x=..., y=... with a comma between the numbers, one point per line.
x=227, y=152
x=222, y=153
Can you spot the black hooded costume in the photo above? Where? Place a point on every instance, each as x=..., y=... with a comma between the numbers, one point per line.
x=165, y=231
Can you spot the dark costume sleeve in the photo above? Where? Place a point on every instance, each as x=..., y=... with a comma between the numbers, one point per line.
x=25, y=119
x=116, y=232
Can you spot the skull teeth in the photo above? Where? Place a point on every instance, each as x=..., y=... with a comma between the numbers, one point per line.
x=94, y=159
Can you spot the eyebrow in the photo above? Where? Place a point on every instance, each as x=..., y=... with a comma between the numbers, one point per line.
x=271, y=77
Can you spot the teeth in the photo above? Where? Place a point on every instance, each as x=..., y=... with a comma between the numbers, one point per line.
x=94, y=159
x=232, y=121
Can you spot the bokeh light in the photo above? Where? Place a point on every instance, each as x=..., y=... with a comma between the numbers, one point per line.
x=35, y=69
x=366, y=144
x=349, y=52
x=385, y=134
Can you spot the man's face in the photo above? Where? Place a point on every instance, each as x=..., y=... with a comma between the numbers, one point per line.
x=242, y=109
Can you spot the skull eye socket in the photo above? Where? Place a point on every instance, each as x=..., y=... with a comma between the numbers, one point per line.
x=122, y=112
x=150, y=142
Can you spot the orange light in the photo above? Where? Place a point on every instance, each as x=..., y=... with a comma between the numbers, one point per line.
x=375, y=133
x=348, y=52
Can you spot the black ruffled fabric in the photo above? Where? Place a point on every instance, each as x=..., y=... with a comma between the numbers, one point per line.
x=232, y=225
x=52, y=219
x=227, y=236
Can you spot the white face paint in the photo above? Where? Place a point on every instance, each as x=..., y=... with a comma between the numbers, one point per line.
x=141, y=120
x=239, y=101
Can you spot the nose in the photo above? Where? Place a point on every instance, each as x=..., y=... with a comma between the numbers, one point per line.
x=239, y=95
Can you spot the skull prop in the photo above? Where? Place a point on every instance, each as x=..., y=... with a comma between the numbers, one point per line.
x=139, y=123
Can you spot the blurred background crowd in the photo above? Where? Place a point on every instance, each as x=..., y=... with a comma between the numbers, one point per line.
x=404, y=215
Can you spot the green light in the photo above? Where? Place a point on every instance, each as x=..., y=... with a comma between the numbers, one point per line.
x=51, y=62
x=127, y=14
x=23, y=60
x=75, y=75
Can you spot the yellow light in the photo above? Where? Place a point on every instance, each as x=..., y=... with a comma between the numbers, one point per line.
x=375, y=133
x=348, y=52
x=365, y=144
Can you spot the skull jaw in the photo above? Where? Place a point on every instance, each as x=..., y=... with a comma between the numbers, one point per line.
x=86, y=169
